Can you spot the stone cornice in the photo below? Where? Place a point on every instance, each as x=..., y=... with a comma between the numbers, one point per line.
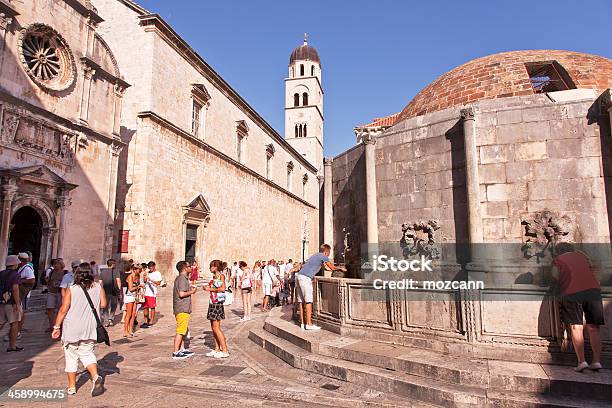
x=305, y=107
x=85, y=11
x=87, y=61
x=307, y=77
x=7, y=9
x=76, y=127
x=175, y=129
x=154, y=23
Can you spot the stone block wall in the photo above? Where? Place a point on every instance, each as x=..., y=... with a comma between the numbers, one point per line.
x=349, y=204
x=249, y=218
x=534, y=154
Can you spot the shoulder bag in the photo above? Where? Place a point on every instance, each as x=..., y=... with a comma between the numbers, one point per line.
x=102, y=334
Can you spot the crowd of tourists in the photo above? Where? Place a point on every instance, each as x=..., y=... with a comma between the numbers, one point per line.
x=87, y=298
x=83, y=300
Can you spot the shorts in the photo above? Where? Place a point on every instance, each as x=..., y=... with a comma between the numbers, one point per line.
x=267, y=289
x=8, y=314
x=303, y=289
x=150, y=302
x=216, y=311
x=182, y=323
x=246, y=290
x=128, y=297
x=582, y=306
x=54, y=300
x=83, y=351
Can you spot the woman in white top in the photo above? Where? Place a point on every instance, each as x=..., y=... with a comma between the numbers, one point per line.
x=79, y=333
x=246, y=287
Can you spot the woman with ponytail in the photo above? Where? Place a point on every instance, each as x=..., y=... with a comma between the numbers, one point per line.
x=216, y=312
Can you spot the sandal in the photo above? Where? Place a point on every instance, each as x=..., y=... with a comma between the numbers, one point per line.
x=17, y=348
x=71, y=390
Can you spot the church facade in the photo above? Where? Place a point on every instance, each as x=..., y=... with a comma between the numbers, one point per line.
x=159, y=157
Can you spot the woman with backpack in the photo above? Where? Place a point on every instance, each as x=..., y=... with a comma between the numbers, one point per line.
x=246, y=287
x=78, y=333
x=216, y=312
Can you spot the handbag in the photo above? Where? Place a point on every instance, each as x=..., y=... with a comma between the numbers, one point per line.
x=140, y=296
x=101, y=333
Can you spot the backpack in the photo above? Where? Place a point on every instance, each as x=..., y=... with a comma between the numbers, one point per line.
x=6, y=291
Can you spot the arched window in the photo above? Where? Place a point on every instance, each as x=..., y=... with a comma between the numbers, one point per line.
x=300, y=131
x=305, y=99
x=312, y=70
x=292, y=72
x=304, y=130
x=301, y=69
x=296, y=130
x=296, y=99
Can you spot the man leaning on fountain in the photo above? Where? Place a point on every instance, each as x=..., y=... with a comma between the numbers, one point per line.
x=580, y=301
x=304, y=288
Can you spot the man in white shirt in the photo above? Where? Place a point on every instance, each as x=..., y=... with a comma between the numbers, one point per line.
x=68, y=278
x=234, y=274
x=269, y=278
x=153, y=280
x=26, y=274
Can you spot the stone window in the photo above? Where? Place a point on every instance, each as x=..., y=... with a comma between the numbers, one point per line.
x=289, y=172
x=305, y=99
x=301, y=69
x=270, y=150
x=195, y=118
x=46, y=57
x=296, y=131
x=201, y=101
x=296, y=99
x=548, y=76
x=312, y=70
x=304, y=183
x=242, y=131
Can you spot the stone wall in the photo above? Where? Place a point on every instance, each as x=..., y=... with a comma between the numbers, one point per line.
x=534, y=154
x=49, y=128
x=166, y=165
x=250, y=219
x=349, y=206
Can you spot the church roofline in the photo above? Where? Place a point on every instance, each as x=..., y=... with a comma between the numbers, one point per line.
x=180, y=45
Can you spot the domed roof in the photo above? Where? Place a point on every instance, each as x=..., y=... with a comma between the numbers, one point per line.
x=506, y=74
x=304, y=52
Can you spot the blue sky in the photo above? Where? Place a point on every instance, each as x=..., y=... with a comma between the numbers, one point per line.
x=376, y=55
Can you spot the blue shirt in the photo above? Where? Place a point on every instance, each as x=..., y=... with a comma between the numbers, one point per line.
x=313, y=265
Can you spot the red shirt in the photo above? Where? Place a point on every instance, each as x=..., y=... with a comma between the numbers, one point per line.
x=575, y=273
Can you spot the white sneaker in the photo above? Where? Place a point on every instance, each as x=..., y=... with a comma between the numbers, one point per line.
x=595, y=366
x=303, y=326
x=311, y=327
x=211, y=353
x=581, y=367
x=221, y=354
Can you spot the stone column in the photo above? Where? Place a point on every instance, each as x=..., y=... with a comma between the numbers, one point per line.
x=88, y=74
x=9, y=190
x=328, y=215
x=607, y=105
x=63, y=202
x=369, y=141
x=471, y=175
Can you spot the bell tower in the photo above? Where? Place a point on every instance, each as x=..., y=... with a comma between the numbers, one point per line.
x=304, y=104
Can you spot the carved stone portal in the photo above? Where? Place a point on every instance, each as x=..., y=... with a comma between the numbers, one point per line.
x=419, y=239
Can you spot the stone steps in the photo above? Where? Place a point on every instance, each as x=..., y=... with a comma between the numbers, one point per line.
x=411, y=387
x=437, y=378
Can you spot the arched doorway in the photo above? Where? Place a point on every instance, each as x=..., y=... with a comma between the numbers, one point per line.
x=26, y=234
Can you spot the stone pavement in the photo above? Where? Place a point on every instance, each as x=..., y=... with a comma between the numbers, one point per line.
x=139, y=372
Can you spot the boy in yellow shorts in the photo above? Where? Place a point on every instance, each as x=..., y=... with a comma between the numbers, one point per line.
x=181, y=304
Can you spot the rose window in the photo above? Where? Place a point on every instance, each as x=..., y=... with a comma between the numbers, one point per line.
x=46, y=57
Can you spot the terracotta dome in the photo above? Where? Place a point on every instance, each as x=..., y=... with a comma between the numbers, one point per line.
x=304, y=52
x=506, y=74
